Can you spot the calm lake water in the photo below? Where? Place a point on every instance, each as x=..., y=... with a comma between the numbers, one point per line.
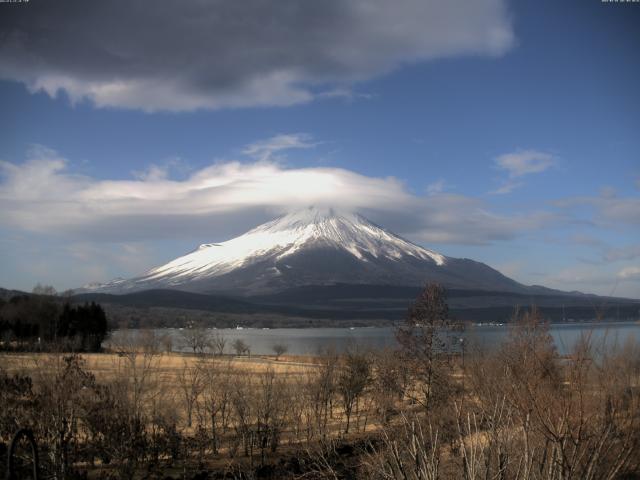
x=301, y=341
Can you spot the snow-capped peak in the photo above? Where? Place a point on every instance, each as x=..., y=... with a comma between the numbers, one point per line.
x=274, y=245
x=305, y=217
x=288, y=234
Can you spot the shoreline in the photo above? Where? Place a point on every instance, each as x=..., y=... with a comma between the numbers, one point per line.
x=377, y=326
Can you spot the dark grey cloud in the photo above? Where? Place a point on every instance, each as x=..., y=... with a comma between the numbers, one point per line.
x=191, y=54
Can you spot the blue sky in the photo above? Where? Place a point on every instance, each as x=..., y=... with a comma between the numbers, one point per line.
x=507, y=134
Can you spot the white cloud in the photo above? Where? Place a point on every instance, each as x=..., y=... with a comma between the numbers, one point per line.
x=616, y=211
x=42, y=195
x=266, y=149
x=251, y=53
x=69, y=264
x=506, y=187
x=525, y=162
x=511, y=269
x=164, y=170
x=583, y=277
x=629, y=273
x=599, y=279
x=436, y=187
x=519, y=164
x=345, y=93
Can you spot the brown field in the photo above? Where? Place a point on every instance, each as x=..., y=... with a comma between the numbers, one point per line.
x=164, y=380
x=165, y=376
x=163, y=372
x=167, y=365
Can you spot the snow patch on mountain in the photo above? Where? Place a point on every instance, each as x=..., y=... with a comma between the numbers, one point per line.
x=290, y=233
x=281, y=238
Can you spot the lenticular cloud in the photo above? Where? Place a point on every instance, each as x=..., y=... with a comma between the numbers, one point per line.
x=43, y=195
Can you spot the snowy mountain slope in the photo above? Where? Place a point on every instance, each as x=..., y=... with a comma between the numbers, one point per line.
x=312, y=247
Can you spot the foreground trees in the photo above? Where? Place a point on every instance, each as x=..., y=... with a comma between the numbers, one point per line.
x=545, y=417
x=425, y=339
x=525, y=414
x=518, y=411
x=44, y=322
x=280, y=349
x=353, y=378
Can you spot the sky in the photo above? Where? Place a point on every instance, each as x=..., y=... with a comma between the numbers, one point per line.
x=502, y=131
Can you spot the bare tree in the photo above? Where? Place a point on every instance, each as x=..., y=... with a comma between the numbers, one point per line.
x=149, y=341
x=216, y=396
x=195, y=338
x=354, y=376
x=424, y=342
x=60, y=388
x=48, y=290
x=321, y=390
x=536, y=416
x=270, y=409
x=190, y=381
x=118, y=428
x=243, y=409
x=217, y=342
x=240, y=347
x=409, y=451
x=390, y=379
x=17, y=397
x=280, y=349
x=136, y=366
x=166, y=341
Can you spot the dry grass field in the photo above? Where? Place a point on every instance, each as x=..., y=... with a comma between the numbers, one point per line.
x=166, y=365
x=520, y=411
x=177, y=380
x=165, y=374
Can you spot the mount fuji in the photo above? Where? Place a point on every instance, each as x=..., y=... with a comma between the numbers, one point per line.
x=317, y=266
x=312, y=247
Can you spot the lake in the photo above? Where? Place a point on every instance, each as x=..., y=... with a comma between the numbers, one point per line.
x=304, y=341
